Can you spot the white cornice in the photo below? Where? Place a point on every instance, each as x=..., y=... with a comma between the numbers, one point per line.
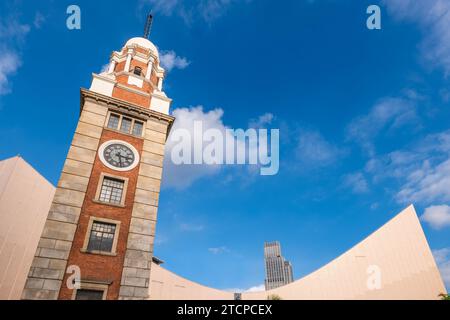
x=141, y=59
x=104, y=77
x=118, y=57
x=151, y=53
x=121, y=86
x=162, y=96
x=125, y=106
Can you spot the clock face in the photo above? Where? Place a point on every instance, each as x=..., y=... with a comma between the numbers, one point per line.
x=118, y=155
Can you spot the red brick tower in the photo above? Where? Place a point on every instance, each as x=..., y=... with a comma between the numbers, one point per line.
x=102, y=219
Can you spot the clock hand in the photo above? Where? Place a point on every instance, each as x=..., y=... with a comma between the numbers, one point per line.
x=119, y=156
x=125, y=157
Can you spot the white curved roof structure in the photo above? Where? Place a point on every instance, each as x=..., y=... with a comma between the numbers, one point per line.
x=393, y=263
x=142, y=42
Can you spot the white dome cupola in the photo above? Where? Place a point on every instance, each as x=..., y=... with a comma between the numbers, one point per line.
x=134, y=74
x=144, y=43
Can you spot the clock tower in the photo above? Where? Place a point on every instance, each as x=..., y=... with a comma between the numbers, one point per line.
x=98, y=239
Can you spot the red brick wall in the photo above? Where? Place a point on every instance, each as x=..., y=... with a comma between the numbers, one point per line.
x=100, y=267
x=131, y=97
x=136, y=63
x=142, y=50
x=120, y=66
x=123, y=79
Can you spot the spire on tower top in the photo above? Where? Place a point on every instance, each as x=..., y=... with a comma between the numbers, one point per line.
x=148, y=25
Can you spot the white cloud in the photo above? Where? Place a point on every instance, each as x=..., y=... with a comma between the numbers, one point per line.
x=191, y=227
x=219, y=250
x=207, y=10
x=397, y=164
x=165, y=7
x=182, y=176
x=213, y=9
x=356, y=182
x=12, y=36
x=388, y=114
x=313, y=150
x=421, y=170
x=170, y=60
x=433, y=18
x=404, y=162
x=262, y=121
x=9, y=63
x=39, y=20
x=104, y=68
x=12, y=30
x=160, y=239
x=437, y=142
x=427, y=184
x=442, y=257
x=437, y=217
x=258, y=288
x=445, y=273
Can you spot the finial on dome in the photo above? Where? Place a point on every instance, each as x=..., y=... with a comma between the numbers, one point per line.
x=148, y=25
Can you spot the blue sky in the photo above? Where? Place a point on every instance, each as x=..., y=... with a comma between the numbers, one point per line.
x=363, y=117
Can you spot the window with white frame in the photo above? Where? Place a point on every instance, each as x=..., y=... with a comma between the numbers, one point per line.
x=91, y=290
x=125, y=124
x=101, y=237
x=112, y=190
x=113, y=121
x=138, y=127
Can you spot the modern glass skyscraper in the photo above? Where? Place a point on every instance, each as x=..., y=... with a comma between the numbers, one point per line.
x=278, y=270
